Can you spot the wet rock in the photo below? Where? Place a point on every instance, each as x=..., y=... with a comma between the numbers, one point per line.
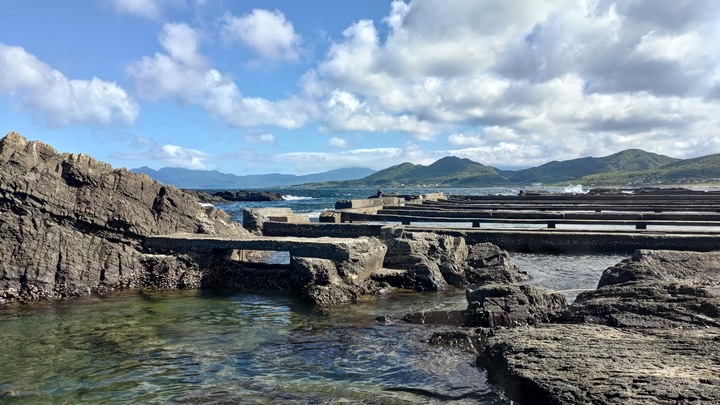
x=71, y=225
x=511, y=305
x=450, y=318
x=459, y=338
x=322, y=282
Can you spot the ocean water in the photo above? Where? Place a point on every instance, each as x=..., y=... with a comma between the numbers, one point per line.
x=218, y=347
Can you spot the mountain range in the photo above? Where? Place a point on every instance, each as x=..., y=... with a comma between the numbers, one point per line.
x=628, y=167
x=213, y=179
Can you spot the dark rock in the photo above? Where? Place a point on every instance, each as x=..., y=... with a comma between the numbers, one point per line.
x=649, y=334
x=242, y=195
x=487, y=263
x=512, y=305
x=459, y=338
x=204, y=197
x=655, y=289
x=433, y=261
x=450, y=318
x=70, y=225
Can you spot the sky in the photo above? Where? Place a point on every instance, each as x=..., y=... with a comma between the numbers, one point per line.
x=251, y=87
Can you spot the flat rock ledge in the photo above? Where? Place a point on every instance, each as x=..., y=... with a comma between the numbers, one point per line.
x=648, y=335
x=596, y=364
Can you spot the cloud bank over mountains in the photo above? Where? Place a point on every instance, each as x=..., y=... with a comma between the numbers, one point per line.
x=507, y=83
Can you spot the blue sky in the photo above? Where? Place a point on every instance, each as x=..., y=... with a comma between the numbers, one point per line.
x=251, y=87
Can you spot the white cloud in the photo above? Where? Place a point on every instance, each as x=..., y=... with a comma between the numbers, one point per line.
x=337, y=142
x=168, y=155
x=260, y=138
x=184, y=73
x=61, y=101
x=151, y=9
x=558, y=79
x=268, y=33
x=466, y=140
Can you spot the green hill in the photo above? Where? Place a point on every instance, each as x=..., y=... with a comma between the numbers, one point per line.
x=701, y=169
x=571, y=170
x=449, y=171
x=632, y=166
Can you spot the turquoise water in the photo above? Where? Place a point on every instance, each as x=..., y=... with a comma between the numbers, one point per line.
x=230, y=347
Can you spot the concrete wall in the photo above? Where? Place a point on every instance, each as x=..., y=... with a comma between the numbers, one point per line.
x=317, y=230
x=369, y=203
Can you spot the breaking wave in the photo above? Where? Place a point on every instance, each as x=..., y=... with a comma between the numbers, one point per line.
x=295, y=198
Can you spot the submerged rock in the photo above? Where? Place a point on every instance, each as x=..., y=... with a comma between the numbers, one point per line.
x=71, y=225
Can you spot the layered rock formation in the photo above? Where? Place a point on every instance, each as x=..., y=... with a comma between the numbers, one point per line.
x=432, y=262
x=649, y=334
x=71, y=225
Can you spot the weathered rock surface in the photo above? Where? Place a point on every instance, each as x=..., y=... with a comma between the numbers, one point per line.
x=511, y=305
x=648, y=335
x=595, y=364
x=433, y=261
x=71, y=225
x=658, y=288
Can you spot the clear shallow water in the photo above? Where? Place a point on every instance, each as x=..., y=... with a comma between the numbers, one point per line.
x=238, y=347
x=230, y=347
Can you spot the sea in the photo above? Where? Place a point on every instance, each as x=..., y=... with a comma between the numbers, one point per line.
x=216, y=346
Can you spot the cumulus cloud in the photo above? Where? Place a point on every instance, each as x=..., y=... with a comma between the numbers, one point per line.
x=268, y=33
x=337, y=142
x=61, y=101
x=168, y=155
x=560, y=79
x=184, y=74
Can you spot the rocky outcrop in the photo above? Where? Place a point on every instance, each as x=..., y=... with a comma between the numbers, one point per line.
x=509, y=305
x=595, y=364
x=658, y=288
x=242, y=195
x=649, y=334
x=71, y=225
x=432, y=262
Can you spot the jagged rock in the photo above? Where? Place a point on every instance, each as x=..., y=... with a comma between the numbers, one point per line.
x=320, y=281
x=649, y=334
x=511, y=305
x=71, y=225
x=428, y=258
x=658, y=288
x=487, y=263
x=433, y=261
x=242, y=195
